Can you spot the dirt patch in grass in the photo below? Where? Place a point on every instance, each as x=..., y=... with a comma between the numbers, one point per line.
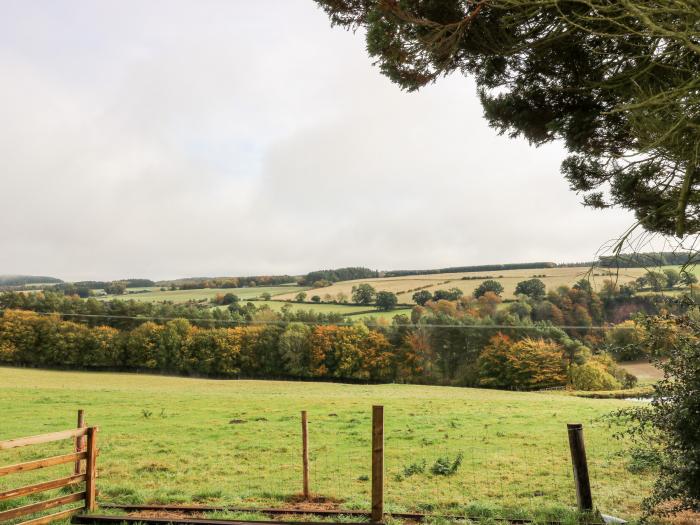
x=314, y=503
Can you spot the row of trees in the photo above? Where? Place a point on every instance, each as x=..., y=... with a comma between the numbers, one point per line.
x=296, y=349
x=474, y=268
x=443, y=340
x=438, y=349
x=321, y=278
x=648, y=259
x=123, y=314
x=86, y=289
x=538, y=363
x=365, y=294
x=667, y=279
x=576, y=306
x=24, y=280
x=227, y=282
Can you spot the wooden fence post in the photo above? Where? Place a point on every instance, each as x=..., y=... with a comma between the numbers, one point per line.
x=377, y=463
x=305, y=451
x=79, y=441
x=91, y=469
x=580, y=464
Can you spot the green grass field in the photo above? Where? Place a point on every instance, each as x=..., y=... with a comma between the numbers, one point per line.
x=354, y=311
x=183, y=296
x=325, y=308
x=166, y=439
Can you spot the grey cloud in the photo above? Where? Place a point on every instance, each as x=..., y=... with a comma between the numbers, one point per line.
x=166, y=139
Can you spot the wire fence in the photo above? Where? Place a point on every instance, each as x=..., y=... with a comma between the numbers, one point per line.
x=436, y=461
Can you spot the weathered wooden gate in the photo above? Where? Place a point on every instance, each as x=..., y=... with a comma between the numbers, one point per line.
x=85, y=450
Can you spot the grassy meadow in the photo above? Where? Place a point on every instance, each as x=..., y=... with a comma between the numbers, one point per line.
x=320, y=308
x=154, y=294
x=350, y=310
x=176, y=440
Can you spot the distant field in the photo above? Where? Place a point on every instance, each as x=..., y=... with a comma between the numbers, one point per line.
x=183, y=296
x=175, y=440
x=388, y=316
x=406, y=286
x=326, y=308
x=645, y=372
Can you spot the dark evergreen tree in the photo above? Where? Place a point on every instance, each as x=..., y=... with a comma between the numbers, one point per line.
x=617, y=82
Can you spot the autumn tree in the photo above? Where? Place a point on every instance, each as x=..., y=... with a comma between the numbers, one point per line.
x=295, y=349
x=417, y=356
x=488, y=304
x=668, y=426
x=522, y=309
x=625, y=341
x=592, y=375
x=525, y=364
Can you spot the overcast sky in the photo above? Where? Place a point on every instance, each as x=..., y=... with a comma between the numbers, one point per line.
x=169, y=138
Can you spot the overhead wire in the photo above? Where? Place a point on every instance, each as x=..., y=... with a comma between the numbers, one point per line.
x=331, y=323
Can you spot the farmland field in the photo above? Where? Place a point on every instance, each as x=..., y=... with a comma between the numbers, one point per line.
x=321, y=308
x=183, y=296
x=342, y=309
x=166, y=439
x=406, y=286
x=254, y=293
x=644, y=371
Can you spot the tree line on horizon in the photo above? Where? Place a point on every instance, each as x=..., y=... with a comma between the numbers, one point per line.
x=450, y=339
x=323, y=278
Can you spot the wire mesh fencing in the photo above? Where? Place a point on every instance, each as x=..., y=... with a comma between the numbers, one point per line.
x=437, y=460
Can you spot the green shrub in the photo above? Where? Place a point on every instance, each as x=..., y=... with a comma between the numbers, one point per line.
x=592, y=376
x=414, y=468
x=643, y=459
x=444, y=466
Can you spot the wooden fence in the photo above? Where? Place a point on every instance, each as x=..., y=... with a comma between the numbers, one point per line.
x=377, y=512
x=85, y=439
x=576, y=446
x=85, y=443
